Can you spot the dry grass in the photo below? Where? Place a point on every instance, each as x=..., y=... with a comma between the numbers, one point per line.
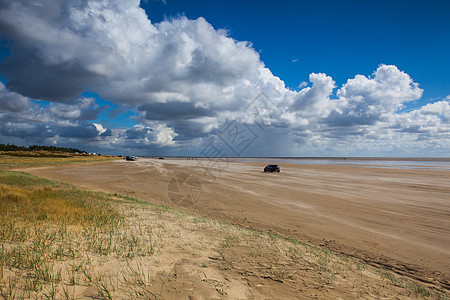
x=32, y=199
x=59, y=242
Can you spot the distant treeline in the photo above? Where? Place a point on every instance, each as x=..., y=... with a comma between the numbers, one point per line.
x=12, y=147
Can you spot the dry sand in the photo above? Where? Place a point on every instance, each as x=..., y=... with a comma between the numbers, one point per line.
x=398, y=219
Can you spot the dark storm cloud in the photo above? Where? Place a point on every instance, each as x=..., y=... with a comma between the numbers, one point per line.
x=189, y=129
x=83, y=131
x=50, y=57
x=136, y=133
x=28, y=131
x=83, y=109
x=107, y=133
x=36, y=131
x=12, y=102
x=173, y=111
x=31, y=77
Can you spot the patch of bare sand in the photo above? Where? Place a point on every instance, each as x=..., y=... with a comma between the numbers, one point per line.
x=397, y=219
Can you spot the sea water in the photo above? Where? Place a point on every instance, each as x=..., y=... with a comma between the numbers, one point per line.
x=394, y=163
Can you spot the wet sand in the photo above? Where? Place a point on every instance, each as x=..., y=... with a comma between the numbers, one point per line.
x=395, y=218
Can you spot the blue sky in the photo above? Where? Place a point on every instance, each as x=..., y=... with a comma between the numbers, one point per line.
x=335, y=78
x=339, y=38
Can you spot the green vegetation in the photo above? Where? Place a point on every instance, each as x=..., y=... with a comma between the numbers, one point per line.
x=12, y=147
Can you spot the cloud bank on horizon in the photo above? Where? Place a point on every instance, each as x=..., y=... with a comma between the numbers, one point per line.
x=185, y=81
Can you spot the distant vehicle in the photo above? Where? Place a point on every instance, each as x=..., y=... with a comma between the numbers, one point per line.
x=272, y=168
x=130, y=158
x=161, y=158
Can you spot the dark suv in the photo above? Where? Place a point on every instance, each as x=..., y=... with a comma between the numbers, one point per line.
x=272, y=168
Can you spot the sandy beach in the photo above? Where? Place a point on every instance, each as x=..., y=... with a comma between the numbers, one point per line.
x=395, y=218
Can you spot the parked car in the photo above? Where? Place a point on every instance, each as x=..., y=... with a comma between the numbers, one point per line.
x=272, y=168
x=130, y=158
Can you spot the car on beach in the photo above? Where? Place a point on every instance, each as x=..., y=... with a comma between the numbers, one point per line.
x=130, y=158
x=272, y=168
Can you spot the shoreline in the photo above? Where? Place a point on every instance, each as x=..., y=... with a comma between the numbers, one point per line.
x=447, y=159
